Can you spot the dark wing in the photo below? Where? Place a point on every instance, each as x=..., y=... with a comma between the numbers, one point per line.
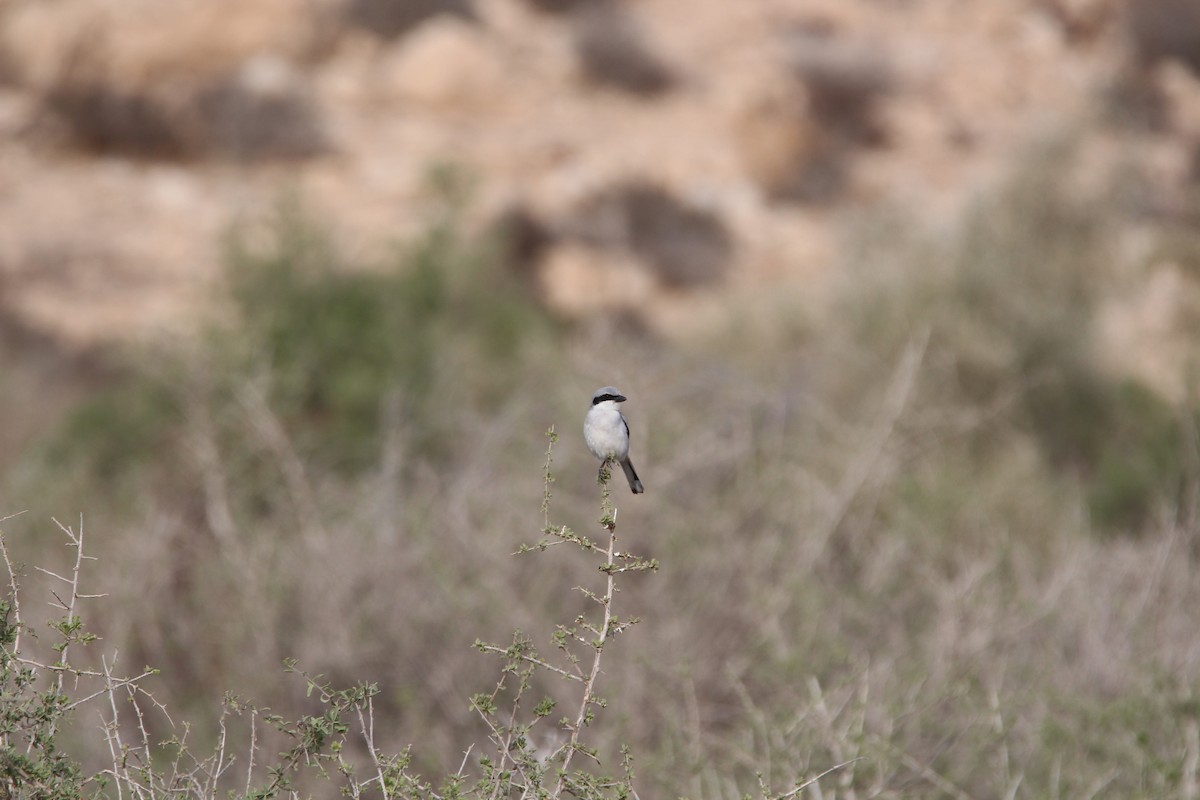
x=626, y=424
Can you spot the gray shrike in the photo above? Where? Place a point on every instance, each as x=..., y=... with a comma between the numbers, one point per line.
x=607, y=433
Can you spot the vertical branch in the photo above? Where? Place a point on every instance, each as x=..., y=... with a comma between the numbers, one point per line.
x=16, y=623
x=590, y=631
x=608, y=520
x=548, y=479
x=214, y=776
x=77, y=543
x=250, y=753
x=367, y=724
x=112, y=731
x=12, y=589
x=70, y=629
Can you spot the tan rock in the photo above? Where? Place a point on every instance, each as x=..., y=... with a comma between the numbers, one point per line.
x=580, y=281
x=446, y=63
x=775, y=134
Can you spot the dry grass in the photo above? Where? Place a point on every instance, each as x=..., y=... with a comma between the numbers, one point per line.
x=872, y=558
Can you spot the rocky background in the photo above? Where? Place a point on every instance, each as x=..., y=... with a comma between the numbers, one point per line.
x=656, y=157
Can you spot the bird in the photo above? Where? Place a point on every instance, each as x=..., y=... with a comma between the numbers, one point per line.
x=607, y=434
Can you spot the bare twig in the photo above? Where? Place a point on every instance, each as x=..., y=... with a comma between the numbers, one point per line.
x=116, y=748
x=252, y=750
x=609, y=522
x=801, y=787
x=491, y=648
x=76, y=541
x=367, y=724
x=12, y=588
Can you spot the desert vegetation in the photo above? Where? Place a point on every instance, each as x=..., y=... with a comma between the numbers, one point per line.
x=924, y=543
x=922, y=477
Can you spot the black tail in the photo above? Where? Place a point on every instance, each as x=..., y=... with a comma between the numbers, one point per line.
x=634, y=484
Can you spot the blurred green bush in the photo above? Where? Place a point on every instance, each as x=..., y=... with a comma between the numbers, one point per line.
x=334, y=346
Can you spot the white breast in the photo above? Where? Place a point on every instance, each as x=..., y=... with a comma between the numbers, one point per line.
x=604, y=431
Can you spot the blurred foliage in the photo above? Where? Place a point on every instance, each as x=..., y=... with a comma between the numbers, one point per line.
x=1013, y=298
x=116, y=428
x=1140, y=732
x=859, y=561
x=334, y=346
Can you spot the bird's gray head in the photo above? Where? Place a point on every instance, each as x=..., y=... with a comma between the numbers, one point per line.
x=608, y=393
